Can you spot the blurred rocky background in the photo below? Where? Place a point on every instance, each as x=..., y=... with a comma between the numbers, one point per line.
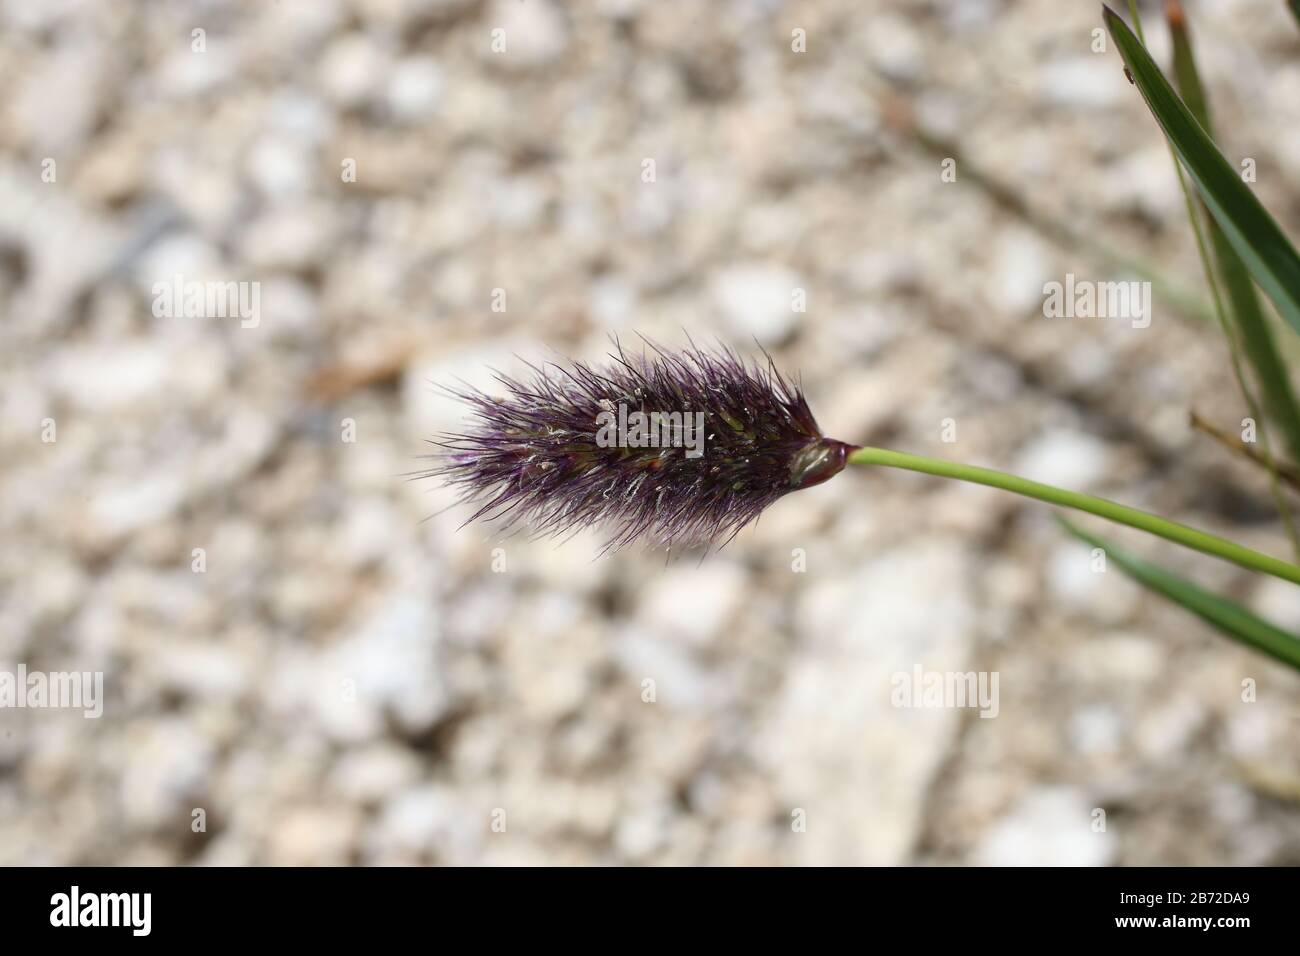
x=296, y=640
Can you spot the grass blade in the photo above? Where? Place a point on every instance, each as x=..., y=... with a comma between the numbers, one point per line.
x=1251, y=323
x=1253, y=233
x=1226, y=616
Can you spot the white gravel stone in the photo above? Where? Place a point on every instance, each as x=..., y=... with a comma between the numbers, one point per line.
x=374, y=773
x=1107, y=596
x=164, y=763
x=415, y=88
x=425, y=822
x=535, y=33
x=1069, y=459
x=678, y=681
x=757, y=300
x=859, y=631
x=1020, y=269
x=1049, y=826
x=693, y=604
x=1088, y=81
x=351, y=69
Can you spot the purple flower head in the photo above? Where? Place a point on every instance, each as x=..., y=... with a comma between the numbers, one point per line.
x=678, y=449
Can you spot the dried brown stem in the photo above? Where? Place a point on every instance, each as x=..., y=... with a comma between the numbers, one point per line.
x=1286, y=472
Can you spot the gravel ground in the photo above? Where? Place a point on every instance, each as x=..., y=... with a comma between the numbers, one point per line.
x=299, y=668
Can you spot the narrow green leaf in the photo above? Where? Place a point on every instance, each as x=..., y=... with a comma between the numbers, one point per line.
x=1294, y=7
x=1227, y=616
x=1256, y=336
x=1253, y=233
x=1278, y=394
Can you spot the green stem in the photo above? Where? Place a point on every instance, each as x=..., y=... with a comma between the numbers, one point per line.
x=1145, y=521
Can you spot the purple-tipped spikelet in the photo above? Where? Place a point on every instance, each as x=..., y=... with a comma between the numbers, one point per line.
x=716, y=442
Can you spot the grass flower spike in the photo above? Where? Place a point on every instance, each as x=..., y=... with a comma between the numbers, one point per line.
x=673, y=448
